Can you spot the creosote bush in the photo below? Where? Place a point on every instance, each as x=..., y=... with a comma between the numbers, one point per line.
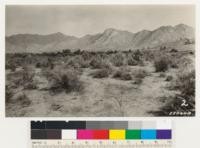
x=185, y=82
x=161, y=64
x=24, y=100
x=101, y=73
x=123, y=74
x=97, y=62
x=140, y=73
x=64, y=79
x=118, y=59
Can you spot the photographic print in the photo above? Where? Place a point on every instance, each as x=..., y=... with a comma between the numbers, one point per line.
x=100, y=60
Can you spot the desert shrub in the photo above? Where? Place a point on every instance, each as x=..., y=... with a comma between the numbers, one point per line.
x=123, y=74
x=118, y=59
x=137, y=55
x=185, y=82
x=64, y=79
x=137, y=81
x=173, y=62
x=162, y=74
x=140, y=73
x=96, y=62
x=169, y=78
x=23, y=100
x=102, y=73
x=161, y=64
x=9, y=94
x=38, y=65
x=28, y=78
x=86, y=55
x=25, y=78
x=131, y=61
x=78, y=62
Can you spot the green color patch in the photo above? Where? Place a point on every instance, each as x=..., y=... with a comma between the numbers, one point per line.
x=133, y=134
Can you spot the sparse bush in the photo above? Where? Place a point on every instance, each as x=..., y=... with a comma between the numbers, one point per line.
x=161, y=64
x=118, y=59
x=131, y=61
x=162, y=75
x=78, y=62
x=64, y=79
x=25, y=78
x=169, y=78
x=23, y=100
x=186, y=83
x=38, y=65
x=96, y=62
x=123, y=74
x=9, y=93
x=140, y=73
x=137, y=55
x=11, y=66
x=28, y=78
x=102, y=73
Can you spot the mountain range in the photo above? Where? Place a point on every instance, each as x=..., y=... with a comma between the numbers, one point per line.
x=110, y=39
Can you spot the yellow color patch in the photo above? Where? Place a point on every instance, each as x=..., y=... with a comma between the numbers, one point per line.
x=116, y=134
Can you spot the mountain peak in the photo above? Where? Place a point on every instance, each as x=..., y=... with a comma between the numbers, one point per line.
x=58, y=34
x=110, y=30
x=182, y=26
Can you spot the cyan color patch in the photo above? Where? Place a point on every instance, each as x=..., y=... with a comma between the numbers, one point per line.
x=148, y=134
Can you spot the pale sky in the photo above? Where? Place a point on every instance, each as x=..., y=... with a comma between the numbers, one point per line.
x=81, y=20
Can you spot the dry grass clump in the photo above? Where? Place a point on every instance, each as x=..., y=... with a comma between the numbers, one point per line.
x=161, y=64
x=9, y=94
x=97, y=62
x=101, y=73
x=118, y=59
x=169, y=78
x=24, y=100
x=135, y=58
x=131, y=61
x=140, y=73
x=10, y=65
x=123, y=74
x=78, y=62
x=25, y=78
x=64, y=79
x=185, y=82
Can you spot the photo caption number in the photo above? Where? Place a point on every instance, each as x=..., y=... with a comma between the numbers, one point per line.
x=184, y=103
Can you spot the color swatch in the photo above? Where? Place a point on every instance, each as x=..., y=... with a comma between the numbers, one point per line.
x=102, y=130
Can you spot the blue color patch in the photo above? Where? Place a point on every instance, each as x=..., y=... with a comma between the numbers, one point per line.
x=148, y=134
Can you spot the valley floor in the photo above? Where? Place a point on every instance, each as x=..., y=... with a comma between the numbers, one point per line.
x=101, y=97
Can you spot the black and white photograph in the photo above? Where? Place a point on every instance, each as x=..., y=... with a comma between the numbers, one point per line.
x=100, y=60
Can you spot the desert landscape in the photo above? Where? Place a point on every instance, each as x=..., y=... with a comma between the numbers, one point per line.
x=135, y=82
x=113, y=73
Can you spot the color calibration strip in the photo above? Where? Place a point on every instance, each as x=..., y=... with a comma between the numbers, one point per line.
x=101, y=130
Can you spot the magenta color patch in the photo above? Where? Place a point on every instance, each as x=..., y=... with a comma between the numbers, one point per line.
x=85, y=134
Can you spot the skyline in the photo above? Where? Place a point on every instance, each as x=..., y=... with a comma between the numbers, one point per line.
x=76, y=20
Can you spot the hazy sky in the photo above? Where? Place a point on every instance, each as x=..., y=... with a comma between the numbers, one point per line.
x=82, y=20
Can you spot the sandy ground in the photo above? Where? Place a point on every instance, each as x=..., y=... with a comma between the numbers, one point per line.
x=100, y=97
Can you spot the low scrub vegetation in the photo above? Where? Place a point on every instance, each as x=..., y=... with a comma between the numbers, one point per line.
x=123, y=74
x=101, y=73
x=118, y=59
x=161, y=64
x=64, y=79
